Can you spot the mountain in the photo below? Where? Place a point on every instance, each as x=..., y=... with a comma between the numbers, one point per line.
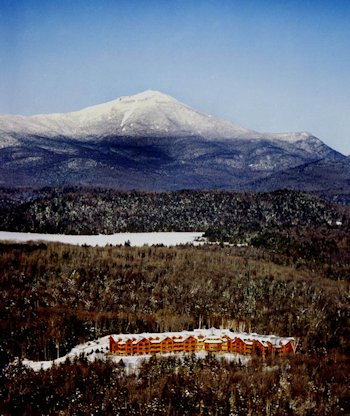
x=147, y=141
x=147, y=114
x=321, y=175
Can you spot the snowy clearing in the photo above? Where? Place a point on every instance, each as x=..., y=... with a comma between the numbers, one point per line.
x=135, y=239
x=98, y=350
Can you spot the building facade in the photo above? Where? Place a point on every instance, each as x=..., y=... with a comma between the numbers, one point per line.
x=210, y=340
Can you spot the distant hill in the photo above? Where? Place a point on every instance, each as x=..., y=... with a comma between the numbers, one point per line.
x=328, y=179
x=152, y=142
x=230, y=214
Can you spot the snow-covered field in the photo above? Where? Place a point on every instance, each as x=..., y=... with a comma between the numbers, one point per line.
x=98, y=350
x=135, y=239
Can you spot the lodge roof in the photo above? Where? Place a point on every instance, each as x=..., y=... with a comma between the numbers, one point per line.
x=212, y=335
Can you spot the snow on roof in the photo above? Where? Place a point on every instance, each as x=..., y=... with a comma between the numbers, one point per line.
x=206, y=334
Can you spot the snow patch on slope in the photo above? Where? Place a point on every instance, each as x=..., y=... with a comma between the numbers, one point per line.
x=98, y=350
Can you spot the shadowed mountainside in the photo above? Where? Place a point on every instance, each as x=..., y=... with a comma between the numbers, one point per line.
x=152, y=142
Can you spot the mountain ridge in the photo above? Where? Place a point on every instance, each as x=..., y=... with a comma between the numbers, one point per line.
x=148, y=141
x=142, y=102
x=168, y=117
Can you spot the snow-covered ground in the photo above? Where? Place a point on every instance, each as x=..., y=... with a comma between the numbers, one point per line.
x=92, y=350
x=135, y=239
x=98, y=350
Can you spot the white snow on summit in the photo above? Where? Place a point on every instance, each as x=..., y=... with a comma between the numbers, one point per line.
x=150, y=113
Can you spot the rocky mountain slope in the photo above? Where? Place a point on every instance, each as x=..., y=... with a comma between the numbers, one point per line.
x=321, y=175
x=148, y=141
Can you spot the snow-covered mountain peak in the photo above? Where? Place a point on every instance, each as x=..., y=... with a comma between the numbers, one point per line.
x=141, y=102
x=148, y=95
x=147, y=114
x=143, y=99
x=147, y=141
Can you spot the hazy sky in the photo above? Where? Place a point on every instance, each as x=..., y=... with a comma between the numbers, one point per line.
x=266, y=65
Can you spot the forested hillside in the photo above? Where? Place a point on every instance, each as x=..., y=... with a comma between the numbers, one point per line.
x=299, y=385
x=292, y=224
x=55, y=296
x=227, y=214
x=290, y=278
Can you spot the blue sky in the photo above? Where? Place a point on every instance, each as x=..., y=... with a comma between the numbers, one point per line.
x=266, y=65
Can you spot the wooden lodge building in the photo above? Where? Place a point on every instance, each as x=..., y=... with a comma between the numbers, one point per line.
x=214, y=340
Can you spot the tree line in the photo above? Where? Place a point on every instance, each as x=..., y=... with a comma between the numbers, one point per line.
x=223, y=215
x=296, y=385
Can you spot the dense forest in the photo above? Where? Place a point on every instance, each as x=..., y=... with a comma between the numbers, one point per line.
x=106, y=211
x=298, y=385
x=290, y=278
x=55, y=296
